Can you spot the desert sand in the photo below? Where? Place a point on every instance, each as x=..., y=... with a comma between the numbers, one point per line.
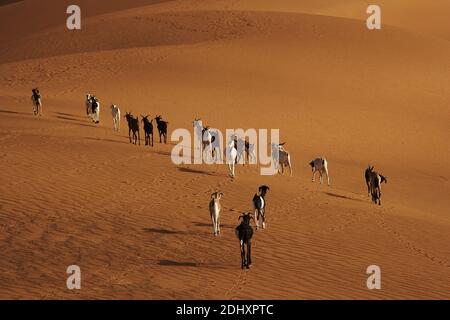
x=138, y=226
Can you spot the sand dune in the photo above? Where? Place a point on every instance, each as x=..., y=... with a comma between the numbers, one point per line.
x=138, y=226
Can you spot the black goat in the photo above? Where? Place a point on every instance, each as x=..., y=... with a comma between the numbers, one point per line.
x=244, y=232
x=148, y=130
x=162, y=128
x=260, y=206
x=367, y=174
x=133, y=125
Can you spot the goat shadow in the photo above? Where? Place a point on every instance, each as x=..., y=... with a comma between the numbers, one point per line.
x=342, y=197
x=16, y=112
x=173, y=263
x=163, y=153
x=189, y=170
x=209, y=225
x=108, y=140
x=69, y=115
x=164, y=231
x=76, y=122
x=66, y=118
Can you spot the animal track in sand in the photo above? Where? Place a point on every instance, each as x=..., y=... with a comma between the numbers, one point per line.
x=407, y=243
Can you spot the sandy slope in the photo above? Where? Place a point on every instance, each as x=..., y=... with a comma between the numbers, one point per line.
x=138, y=226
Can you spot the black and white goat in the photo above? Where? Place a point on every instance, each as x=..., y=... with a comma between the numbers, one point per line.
x=320, y=164
x=244, y=232
x=133, y=125
x=214, y=209
x=88, y=104
x=93, y=108
x=148, y=130
x=259, y=203
x=162, y=128
x=37, y=102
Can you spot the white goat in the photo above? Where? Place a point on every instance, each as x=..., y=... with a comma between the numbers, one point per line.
x=214, y=210
x=231, y=156
x=206, y=138
x=320, y=164
x=115, y=112
x=281, y=157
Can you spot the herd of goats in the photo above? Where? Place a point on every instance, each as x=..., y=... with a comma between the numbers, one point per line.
x=244, y=230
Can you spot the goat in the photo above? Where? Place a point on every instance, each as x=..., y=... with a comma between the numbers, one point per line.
x=231, y=157
x=281, y=157
x=244, y=232
x=320, y=164
x=148, y=130
x=162, y=128
x=133, y=125
x=375, y=181
x=214, y=210
x=207, y=138
x=88, y=104
x=243, y=146
x=259, y=204
x=37, y=102
x=93, y=108
x=115, y=112
x=367, y=174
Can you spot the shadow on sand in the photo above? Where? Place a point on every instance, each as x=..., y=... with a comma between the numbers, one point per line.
x=163, y=231
x=67, y=118
x=209, y=225
x=341, y=196
x=190, y=170
x=16, y=112
x=70, y=115
x=171, y=263
x=108, y=140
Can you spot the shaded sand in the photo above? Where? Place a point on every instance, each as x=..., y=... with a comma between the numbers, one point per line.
x=138, y=226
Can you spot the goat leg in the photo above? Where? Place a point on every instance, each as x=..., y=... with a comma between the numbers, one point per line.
x=242, y=255
x=249, y=254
